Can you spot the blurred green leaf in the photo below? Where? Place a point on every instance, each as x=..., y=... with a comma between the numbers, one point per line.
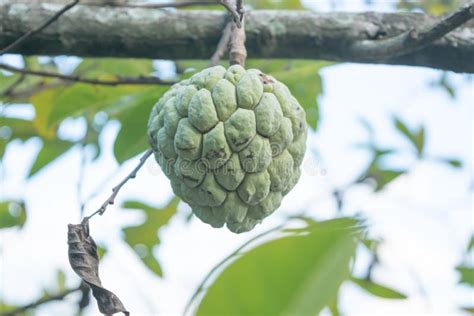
x=455, y=163
x=101, y=251
x=433, y=7
x=128, y=67
x=471, y=244
x=132, y=138
x=6, y=80
x=419, y=141
x=61, y=280
x=417, y=138
x=80, y=98
x=294, y=275
x=31, y=84
x=144, y=238
x=14, y=128
x=7, y=307
x=467, y=274
x=445, y=83
x=469, y=310
x=371, y=244
x=334, y=307
x=51, y=150
x=377, y=289
x=43, y=102
x=12, y=213
x=64, y=100
x=381, y=176
x=275, y=4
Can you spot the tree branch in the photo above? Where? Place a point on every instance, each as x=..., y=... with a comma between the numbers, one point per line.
x=122, y=80
x=228, y=4
x=30, y=33
x=142, y=33
x=412, y=40
x=237, y=51
x=223, y=45
x=58, y=297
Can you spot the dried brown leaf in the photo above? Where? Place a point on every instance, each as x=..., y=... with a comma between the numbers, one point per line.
x=85, y=262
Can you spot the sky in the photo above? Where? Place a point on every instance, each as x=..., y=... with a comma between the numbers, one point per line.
x=424, y=217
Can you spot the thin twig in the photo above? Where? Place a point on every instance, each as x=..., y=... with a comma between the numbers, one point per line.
x=225, y=3
x=111, y=199
x=29, y=34
x=223, y=45
x=21, y=310
x=224, y=261
x=82, y=168
x=412, y=40
x=121, y=80
x=153, y=5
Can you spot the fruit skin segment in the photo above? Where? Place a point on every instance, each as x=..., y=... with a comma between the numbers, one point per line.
x=231, y=141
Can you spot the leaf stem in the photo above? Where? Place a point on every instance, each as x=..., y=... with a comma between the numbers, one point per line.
x=115, y=190
x=58, y=297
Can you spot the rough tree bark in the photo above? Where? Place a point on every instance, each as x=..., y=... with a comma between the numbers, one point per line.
x=165, y=34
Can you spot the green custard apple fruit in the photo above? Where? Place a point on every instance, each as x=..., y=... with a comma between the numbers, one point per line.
x=231, y=141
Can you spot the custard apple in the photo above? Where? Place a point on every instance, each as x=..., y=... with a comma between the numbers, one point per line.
x=231, y=141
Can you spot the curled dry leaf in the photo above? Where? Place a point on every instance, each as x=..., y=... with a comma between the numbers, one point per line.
x=85, y=262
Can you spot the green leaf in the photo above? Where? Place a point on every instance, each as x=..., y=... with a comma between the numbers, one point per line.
x=419, y=141
x=17, y=128
x=334, y=307
x=58, y=102
x=4, y=308
x=384, y=177
x=12, y=213
x=381, y=176
x=132, y=138
x=61, y=280
x=467, y=274
x=101, y=251
x=469, y=310
x=272, y=4
x=51, y=150
x=471, y=244
x=295, y=275
x=81, y=98
x=416, y=138
x=144, y=238
x=455, y=163
x=377, y=289
x=433, y=7
x=6, y=80
x=403, y=128
x=371, y=244
x=43, y=102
